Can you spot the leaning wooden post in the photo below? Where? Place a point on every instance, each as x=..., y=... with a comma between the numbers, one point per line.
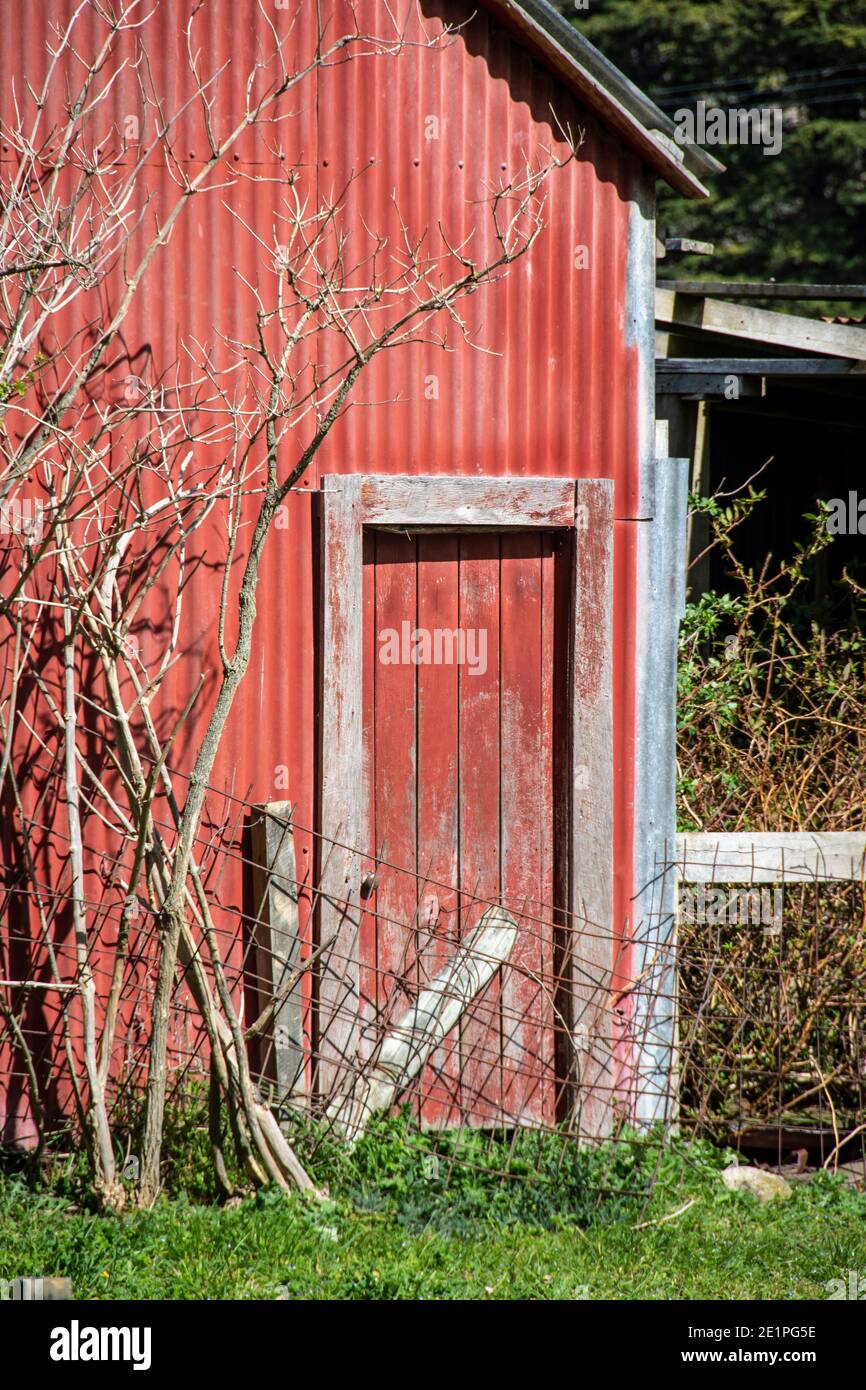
x=406, y=1047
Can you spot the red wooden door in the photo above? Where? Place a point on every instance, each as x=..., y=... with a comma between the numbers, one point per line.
x=464, y=722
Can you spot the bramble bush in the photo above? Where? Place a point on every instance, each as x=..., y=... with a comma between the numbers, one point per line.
x=772, y=737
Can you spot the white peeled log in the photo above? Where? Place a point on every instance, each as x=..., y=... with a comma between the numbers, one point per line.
x=406, y=1047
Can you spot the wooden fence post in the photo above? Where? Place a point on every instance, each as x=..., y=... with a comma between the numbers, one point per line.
x=277, y=943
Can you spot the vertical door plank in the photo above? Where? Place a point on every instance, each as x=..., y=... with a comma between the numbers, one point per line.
x=553, y=691
x=396, y=782
x=439, y=923
x=525, y=795
x=480, y=1039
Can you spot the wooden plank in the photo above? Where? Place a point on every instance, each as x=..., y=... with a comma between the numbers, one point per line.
x=726, y=384
x=396, y=774
x=591, y=859
x=438, y=811
x=757, y=366
x=688, y=246
x=781, y=1139
x=763, y=289
x=669, y=343
x=760, y=325
x=277, y=944
x=554, y=703
x=766, y=857
x=480, y=1051
x=408, y=1044
x=343, y=814
x=368, y=976
x=458, y=502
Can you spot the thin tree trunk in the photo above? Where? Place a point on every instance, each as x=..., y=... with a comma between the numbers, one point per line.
x=108, y=1189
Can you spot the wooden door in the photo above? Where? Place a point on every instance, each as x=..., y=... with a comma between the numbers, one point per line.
x=464, y=702
x=466, y=762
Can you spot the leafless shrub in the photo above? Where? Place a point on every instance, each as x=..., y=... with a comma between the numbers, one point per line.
x=128, y=467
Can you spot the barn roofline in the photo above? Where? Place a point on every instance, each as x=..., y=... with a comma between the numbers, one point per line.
x=601, y=87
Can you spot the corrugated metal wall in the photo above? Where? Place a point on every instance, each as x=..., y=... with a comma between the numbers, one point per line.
x=542, y=381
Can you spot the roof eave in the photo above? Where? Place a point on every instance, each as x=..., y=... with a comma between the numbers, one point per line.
x=654, y=146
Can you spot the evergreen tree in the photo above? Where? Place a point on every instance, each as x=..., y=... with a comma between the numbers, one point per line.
x=800, y=215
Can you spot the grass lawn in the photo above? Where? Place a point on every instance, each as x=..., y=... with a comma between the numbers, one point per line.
x=391, y=1231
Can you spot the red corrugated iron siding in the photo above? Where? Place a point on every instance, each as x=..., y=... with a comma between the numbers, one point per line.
x=543, y=382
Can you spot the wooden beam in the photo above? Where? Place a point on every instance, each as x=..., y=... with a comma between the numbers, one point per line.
x=277, y=943
x=731, y=385
x=669, y=343
x=767, y=289
x=759, y=325
x=758, y=366
x=765, y=857
x=687, y=246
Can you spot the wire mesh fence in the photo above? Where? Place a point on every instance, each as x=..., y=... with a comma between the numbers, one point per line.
x=490, y=1018
x=772, y=991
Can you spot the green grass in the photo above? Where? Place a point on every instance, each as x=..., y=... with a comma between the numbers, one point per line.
x=398, y=1228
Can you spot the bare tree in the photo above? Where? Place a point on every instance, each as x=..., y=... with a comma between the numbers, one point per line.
x=106, y=493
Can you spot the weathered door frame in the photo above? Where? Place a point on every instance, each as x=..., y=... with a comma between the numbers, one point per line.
x=583, y=507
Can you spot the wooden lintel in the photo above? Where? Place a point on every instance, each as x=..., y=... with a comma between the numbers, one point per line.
x=457, y=502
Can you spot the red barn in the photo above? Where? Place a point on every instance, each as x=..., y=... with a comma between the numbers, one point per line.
x=462, y=673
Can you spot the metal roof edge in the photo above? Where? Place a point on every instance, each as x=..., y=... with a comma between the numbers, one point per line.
x=608, y=92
